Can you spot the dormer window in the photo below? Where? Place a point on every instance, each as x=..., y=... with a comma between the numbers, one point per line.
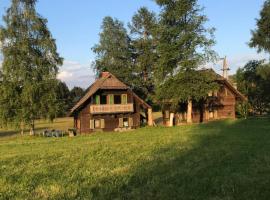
x=117, y=99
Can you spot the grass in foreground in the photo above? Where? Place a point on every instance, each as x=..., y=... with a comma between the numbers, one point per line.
x=220, y=160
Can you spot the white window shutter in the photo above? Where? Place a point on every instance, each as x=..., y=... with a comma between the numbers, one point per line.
x=102, y=121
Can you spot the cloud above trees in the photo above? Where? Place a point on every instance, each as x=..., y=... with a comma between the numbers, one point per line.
x=76, y=74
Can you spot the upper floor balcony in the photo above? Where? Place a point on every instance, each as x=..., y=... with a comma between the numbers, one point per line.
x=111, y=108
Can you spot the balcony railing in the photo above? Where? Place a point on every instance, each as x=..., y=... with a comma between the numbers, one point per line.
x=115, y=108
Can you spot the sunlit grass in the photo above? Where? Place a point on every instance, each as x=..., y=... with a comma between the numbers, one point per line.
x=220, y=160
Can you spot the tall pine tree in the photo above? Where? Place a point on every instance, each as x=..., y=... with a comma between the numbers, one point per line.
x=261, y=36
x=142, y=29
x=184, y=43
x=114, y=52
x=30, y=65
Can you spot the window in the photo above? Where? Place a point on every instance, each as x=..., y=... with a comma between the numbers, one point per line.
x=117, y=99
x=125, y=122
x=124, y=98
x=97, y=123
x=111, y=99
x=103, y=99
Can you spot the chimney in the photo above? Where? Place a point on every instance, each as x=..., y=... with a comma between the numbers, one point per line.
x=104, y=74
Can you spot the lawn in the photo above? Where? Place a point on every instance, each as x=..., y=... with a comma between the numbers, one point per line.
x=219, y=160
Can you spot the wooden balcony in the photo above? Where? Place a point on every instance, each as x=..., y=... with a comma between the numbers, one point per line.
x=116, y=108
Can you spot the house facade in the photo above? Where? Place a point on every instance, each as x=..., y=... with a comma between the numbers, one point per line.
x=220, y=104
x=110, y=105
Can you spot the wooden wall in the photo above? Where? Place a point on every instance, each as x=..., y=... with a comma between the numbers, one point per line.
x=111, y=120
x=223, y=107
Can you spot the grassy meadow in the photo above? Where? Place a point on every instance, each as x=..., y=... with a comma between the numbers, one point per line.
x=219, y=160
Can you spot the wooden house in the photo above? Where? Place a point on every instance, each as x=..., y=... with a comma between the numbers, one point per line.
x=220, y=104
x=110, y=105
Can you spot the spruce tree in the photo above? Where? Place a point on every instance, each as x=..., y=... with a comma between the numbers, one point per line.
x=30, y=65
x=63, y=99
x=114, y=52
x=184, y=44
x=142, y=29
x=261, y=36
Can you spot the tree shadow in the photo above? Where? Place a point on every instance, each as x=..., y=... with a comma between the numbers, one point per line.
x=14, y=133
x=228, y=162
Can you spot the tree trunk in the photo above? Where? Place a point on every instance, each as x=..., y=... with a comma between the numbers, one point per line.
x=150, y=117
x=32, y=128
x=22, y=128
x=189, y=112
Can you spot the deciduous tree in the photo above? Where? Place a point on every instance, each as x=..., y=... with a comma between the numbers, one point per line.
x=30, y=65
x=184, y=44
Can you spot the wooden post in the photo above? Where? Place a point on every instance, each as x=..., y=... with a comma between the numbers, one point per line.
x=206, y=111
x=32, y=128
x=189, y=112
x=150, y=117
x=215, y=114
x=171, y=119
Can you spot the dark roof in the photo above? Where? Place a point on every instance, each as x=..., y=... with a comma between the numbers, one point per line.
x=106, y=81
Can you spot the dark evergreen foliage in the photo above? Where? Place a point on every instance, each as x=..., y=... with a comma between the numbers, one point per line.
x=114, y=52
x=142, y=29
x=261, y=36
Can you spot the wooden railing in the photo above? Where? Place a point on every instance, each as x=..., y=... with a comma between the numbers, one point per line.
x=115, y=108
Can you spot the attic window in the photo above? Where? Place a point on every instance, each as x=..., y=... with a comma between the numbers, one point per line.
x=103, y=99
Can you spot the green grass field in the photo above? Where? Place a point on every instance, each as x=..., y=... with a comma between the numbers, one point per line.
x=219, y=160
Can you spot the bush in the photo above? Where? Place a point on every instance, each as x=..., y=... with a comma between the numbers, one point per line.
x=242, y=109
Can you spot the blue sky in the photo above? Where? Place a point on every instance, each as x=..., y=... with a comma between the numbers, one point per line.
x=76, y=24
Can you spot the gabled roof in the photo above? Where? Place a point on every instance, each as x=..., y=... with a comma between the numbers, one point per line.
x=225, y=81
x=106, y=81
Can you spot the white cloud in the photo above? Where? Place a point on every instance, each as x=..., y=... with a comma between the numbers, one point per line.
x=64, y=75
x=76, y=74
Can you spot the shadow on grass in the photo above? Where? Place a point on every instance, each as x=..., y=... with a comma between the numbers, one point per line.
x=12, y=133
x=228, y=162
